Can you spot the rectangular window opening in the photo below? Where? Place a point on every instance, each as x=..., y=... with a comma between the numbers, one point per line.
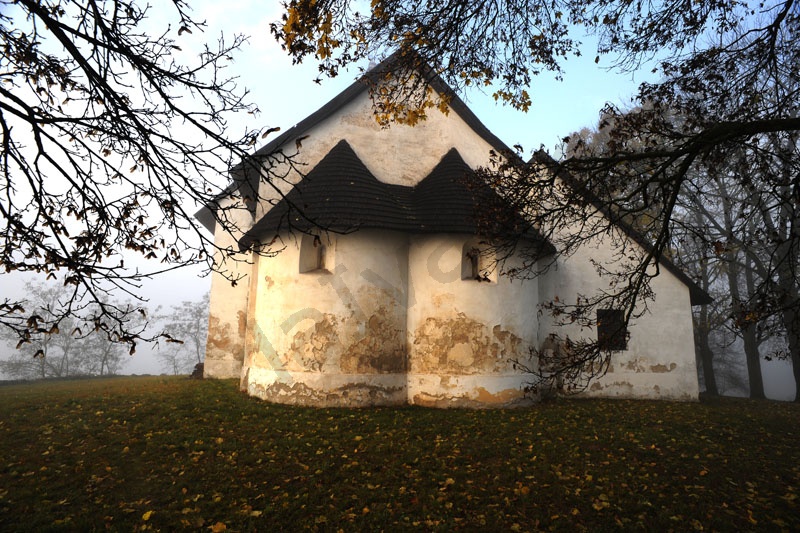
x=477, y=263
x=612, y=332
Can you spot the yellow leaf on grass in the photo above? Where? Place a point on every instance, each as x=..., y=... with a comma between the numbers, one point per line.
x=601, y=502
x=218, y=527
x=146, y=516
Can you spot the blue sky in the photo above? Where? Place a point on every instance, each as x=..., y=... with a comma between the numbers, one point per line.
x=286, y=93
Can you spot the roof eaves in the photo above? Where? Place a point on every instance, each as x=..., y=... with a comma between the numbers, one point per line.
x=697, y=295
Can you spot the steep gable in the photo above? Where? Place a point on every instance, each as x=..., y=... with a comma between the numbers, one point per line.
x=360, y=89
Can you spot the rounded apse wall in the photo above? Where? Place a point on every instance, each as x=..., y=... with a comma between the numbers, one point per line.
x=464, y=329
x=383, y=318
x=327, y=322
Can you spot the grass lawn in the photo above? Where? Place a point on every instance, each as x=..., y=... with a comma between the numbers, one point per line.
x=170, y=453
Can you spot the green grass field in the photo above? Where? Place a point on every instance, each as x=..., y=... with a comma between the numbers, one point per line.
x=170, y=453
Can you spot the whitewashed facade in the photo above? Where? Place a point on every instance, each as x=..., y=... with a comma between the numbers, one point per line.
x=388, y=316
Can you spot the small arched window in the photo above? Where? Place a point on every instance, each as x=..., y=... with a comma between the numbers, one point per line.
x=477, y=262
x=314, y=254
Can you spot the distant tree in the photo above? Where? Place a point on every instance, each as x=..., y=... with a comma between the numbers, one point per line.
x=728, y=84
x=50, y=353
x=187, y=324
x=112, y=137
x=691, y=254
x=72, y=348
x=747, y=222
x=724, y=272
x=740, y=276
x=730, y=370
x=103, y=355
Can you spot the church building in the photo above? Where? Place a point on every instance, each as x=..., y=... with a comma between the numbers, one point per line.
x=397, y=300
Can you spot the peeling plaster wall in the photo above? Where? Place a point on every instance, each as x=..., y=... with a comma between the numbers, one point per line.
x=660, y=360
x=335, y=337
x=319, y=337
x=391, y=323
x=227, y=316
x=463, y=334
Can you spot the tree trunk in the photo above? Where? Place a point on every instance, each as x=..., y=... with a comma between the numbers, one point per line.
x=791, y=322
x=742, y=319
x=752, y=341
x=753, y=358
x=790, y=317
x=701, y=331
x=748, y=332
x=104, y=359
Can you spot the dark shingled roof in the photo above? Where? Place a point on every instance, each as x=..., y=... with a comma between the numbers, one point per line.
x=340, y=194
x=244, y=177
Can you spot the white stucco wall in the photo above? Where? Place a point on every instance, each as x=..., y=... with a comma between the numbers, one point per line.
x=399, y=155
x=391, y=322
x=334, y=337
x=659, y=361
x=228, y=303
